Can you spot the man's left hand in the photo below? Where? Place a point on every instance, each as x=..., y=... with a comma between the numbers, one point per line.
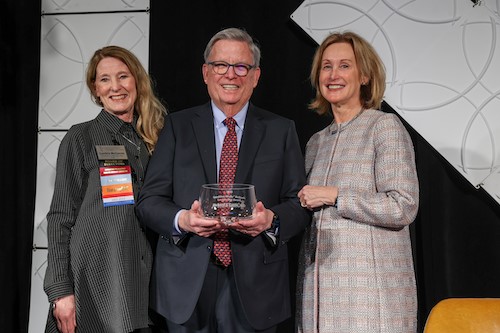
x=261, y=220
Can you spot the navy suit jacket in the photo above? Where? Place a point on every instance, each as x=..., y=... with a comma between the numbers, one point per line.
x=270, y=158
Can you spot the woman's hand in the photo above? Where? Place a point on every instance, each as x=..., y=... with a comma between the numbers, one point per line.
x=65, y=314
x=317, y=196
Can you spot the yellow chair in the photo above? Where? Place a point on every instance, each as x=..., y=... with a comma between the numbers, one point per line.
x=464, y=315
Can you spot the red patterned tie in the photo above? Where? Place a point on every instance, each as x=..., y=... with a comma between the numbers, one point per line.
x=227, y=170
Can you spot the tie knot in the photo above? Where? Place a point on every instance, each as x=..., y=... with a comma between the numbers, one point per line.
x=230, y=123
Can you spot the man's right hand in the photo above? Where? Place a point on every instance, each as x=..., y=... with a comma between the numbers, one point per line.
x=193, y=221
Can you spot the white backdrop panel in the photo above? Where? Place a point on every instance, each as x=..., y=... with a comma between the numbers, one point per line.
x=48, y=145
x=71, y=6
x=67, y=43
x=39, y=305
x=442, y=60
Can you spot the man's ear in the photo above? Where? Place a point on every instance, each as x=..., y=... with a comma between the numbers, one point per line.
x=204, y=72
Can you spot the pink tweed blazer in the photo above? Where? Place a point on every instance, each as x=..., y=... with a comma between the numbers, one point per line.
x=356, y=270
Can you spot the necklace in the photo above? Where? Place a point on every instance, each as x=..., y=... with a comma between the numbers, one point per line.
x=129, y=130
x=136, y=163
x=137, y=146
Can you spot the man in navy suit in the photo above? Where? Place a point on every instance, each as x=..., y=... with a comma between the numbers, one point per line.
x=191, y=289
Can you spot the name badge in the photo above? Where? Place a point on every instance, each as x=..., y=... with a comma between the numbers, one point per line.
x=116, y=176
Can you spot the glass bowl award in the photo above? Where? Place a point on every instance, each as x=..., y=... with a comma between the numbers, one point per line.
x=227, y=202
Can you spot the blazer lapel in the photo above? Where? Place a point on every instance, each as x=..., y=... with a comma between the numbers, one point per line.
x=249, y=146
x=205, y=137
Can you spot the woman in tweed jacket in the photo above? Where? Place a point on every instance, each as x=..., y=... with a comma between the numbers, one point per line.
x=99, y=259
x=356, y=270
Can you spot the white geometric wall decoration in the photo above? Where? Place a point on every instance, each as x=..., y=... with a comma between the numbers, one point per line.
x=443, y=64
x=67, y=43
x=79, y=6
x=71, y=30
x=39, y=305
x=48, y=146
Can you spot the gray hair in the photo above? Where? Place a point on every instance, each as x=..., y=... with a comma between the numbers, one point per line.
x=237, y=35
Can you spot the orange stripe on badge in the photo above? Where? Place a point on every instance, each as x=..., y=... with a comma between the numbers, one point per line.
x=117, y=190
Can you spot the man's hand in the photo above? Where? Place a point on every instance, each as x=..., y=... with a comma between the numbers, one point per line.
x=193, y=221
x=261, y=220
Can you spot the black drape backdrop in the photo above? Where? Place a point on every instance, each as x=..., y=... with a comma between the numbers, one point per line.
x=19, y=72
x=457, y=231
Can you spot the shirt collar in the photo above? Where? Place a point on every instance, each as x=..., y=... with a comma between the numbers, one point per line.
x=219, y=116
x=112, y=122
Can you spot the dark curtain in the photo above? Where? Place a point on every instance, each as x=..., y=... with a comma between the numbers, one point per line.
x=19, y=54
x=456, y=233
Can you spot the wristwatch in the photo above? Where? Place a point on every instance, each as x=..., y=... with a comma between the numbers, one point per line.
x=275, y=225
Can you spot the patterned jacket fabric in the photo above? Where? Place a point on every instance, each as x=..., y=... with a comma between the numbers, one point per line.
x=99, y=254
x=356, y=269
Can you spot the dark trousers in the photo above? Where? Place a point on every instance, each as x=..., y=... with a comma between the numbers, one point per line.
x=218, y=310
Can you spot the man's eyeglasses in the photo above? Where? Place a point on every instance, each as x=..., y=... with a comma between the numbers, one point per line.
x=221, y=68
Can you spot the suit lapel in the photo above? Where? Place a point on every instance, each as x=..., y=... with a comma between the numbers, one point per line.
x=206, y=141
x=250, y=142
